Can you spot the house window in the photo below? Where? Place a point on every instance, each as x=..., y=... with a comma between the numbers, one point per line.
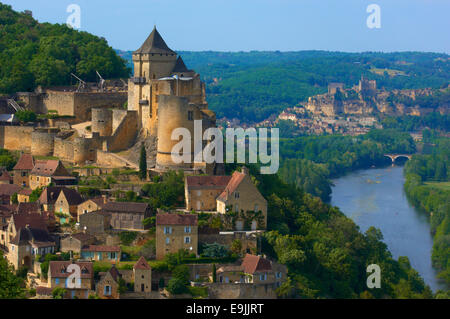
x=256, y=207
x=279, y=275
x=236, y=207
x=263, y=277
x=167, y=240
x=107, y=291
x=187, y=229
x=112, y=256
x=57, y=281
x=167, y=230
x=190, y=115
x=187, y=240
x=236, y=195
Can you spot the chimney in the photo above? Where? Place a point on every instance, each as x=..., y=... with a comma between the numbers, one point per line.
x=244, y=170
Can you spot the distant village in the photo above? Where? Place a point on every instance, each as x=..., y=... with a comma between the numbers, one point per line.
x=93, y=132
x=348, y=111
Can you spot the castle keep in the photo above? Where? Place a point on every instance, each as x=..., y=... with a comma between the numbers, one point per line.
x=162, y=95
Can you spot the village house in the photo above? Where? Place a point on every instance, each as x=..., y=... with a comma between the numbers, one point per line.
x=108, y=285
x=91, y=205
x=242, y=196
x=74, y=243
x=23, y=196
x=201, y=192
x=101, y=253
x=253, y=269
x=175, y=232
x=26, y=237
x=5, y=178
x=47, y=172
x=48, y=198
x=127, y=215
x=7, y=191
x=23, y=169
x=141, y=277
x=95, y=223
x=58, y=274
x=66, y=205
x=237, y=193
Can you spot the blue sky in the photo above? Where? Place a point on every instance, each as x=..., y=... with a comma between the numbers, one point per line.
x=243, y=25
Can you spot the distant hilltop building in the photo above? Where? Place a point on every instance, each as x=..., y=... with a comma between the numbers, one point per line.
x=90, y=122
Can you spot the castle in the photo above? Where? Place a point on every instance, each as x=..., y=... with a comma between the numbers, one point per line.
x=162, y=95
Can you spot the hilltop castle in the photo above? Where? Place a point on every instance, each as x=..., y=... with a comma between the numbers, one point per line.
x=162, y=95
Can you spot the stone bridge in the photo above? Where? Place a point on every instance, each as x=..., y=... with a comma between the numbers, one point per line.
x=394, y=157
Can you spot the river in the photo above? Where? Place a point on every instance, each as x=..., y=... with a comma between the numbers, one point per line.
x=375, y=197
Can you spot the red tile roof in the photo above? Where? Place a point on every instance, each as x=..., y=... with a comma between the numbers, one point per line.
x=252, y=264
x=58, y=269
x=142, y=264
x=177, y=219
x=201, y=182
x=9, y=189
x=33, y=220
x=4, y=176
x=125, y=207
x=96, y=248
x=235, y=181
x=48, y=168
x=26, y=162
x=25, y=208
x=25, y=191
x=50, y=195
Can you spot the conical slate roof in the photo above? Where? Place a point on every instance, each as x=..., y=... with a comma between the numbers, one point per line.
x=180, y=66
x=154, y=44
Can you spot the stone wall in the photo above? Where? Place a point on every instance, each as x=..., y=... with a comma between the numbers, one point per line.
x=241, y=291
x=16, y=138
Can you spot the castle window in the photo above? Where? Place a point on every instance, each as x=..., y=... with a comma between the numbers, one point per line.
x=190, y=115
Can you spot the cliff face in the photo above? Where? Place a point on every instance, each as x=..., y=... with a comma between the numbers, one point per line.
x=352, y=102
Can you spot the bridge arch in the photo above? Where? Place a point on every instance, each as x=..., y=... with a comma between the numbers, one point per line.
x=394, y=157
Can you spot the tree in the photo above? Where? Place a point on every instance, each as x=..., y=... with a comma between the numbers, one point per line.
x=180, y=280
x=214, y=273
x=143, y=163
x=58, y=293
x=11, y=286
x=26, y=116
x=35, y=194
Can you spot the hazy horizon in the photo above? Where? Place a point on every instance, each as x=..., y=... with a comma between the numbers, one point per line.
x=259, y=25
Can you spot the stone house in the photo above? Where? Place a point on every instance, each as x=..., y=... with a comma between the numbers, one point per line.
x=127, y=215
x=175, y=232
x=108, y=285
x=91, y=205
x=47, y=172
x=67, y=204
x=48, y=198
x=255, y=270
x=60, y=271
x=242, y=196
x=7, y=191
x=95, y=223
x=5, y=178
x=201, y=192
x=25, y=237
x=142, y=276
x=221, y=194
x=76, y=242
x=23, y=169
x=23, y=196
x=100, y=253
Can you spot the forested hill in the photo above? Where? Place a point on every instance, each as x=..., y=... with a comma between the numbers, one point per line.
x=33, y=53
x=252, y=86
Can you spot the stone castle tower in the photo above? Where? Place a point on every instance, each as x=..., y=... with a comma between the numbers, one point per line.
x=166, y=95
